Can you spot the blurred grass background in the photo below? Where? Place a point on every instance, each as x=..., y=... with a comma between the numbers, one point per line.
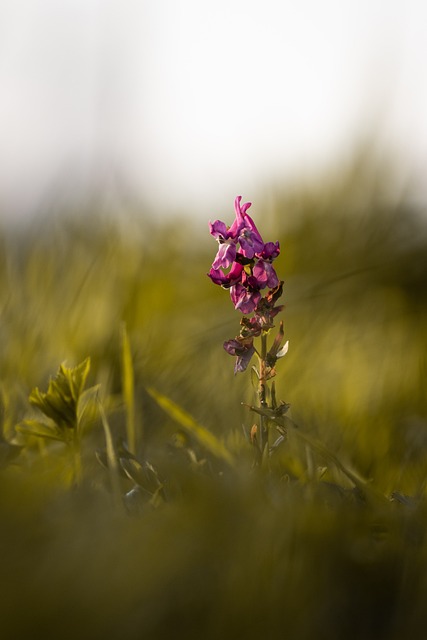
x=232, y=554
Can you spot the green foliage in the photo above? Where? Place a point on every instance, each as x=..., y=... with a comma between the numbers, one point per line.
x=60, y=402
x=128, y=385
x=112, y=461
x=177, y=531
x=40, y=429
x=204, y=437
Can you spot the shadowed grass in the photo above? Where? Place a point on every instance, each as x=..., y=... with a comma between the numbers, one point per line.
x=290, y=550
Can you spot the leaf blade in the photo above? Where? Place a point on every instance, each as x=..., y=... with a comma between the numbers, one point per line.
x=206, y=438
x=128, y=386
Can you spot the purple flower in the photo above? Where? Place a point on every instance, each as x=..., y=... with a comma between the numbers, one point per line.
x=249, y=238
x=228, y=237
x=243, y=264
x=226, y=280
x=270, y=251
x=219, y=230
x=243, y=251
x=226, y=254
x=243, y=349
x=241, y=216
x=251, y=243
x=264, y=275
x=245, y=300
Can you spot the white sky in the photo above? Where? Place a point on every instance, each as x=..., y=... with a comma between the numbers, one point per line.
x=190, y=103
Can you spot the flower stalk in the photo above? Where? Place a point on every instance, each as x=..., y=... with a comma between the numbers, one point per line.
x=244, y=265
x=262, y=393
x=77, y=456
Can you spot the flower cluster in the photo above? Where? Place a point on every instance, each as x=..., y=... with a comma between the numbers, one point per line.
x=243, y=264
x=243, y=261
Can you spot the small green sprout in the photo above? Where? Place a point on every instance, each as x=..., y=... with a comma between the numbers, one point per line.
x=61, y=401
x=64, y=404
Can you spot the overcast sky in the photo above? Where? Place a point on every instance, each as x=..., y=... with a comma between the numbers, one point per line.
x=190, y=102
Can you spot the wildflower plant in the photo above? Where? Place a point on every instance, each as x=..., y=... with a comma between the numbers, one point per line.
x=244, y=265
x=63, y=405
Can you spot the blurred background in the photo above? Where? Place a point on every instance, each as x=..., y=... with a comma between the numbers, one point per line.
x=179, y=106
x=124, y=127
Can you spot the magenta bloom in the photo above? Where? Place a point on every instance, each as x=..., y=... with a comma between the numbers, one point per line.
x=243, y=264
x=271, y=250
x=241, y=215
x=245, y=300
x=226, y=280
x=225, y=256
x=243, y=350
x=227, y=244
x=228, y=237
x=264, y=275
x=247, y=258
x=250, y=240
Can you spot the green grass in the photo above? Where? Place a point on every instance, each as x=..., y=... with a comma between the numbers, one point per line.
x=168, y=530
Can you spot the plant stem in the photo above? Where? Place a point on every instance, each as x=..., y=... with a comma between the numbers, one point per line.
x=128, y=385
x=315, y=445
x=77, y=456
x=262, y=392
x=112, y=458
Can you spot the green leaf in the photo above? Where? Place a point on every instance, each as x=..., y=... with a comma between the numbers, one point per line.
x=39, y=400
x=77, y=377
x=61, y=399
x=134, y=470
x=265, y=457
x=282, y=422
x=254, y=377
x=128, y=385
x=143, y=475
x=41, y=430
x=87, y=408
x=187, y=422
x=112, y=459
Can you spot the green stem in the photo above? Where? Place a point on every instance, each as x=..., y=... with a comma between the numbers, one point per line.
x=77, y=456
x=262, y=393
x=359, y=483
x=362, y=485
x=112, y=458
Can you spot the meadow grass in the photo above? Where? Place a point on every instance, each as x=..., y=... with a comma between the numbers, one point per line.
x=169, y=529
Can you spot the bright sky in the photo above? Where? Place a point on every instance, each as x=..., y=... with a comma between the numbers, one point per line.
x=188, y=103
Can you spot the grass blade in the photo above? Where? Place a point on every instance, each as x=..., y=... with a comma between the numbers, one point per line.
x=204, y=437
x=112, y=459
x=128, y=386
